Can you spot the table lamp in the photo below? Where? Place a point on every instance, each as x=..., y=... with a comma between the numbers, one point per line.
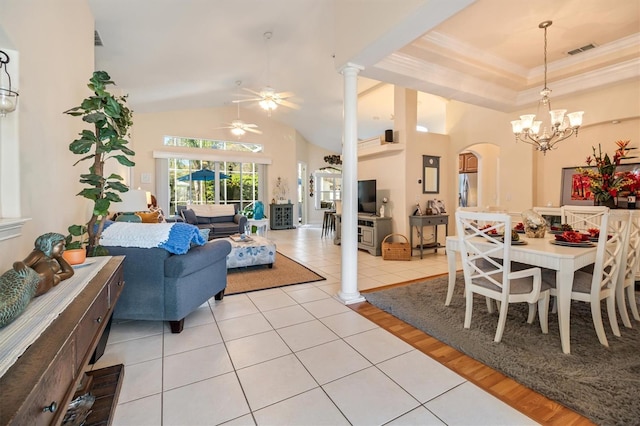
x=134, y=200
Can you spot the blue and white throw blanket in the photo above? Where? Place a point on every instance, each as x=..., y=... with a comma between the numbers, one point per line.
x=175, y=238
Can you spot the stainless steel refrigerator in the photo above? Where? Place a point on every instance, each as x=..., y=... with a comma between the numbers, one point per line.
x=468, y=190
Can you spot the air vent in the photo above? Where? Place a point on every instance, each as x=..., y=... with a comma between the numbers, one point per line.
x=97, y=41
x=581, y=49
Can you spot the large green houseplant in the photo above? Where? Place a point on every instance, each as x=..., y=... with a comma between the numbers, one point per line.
x=110, y=119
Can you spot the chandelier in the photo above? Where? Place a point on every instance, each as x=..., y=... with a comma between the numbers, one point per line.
x=8, y=97
x=560, y=127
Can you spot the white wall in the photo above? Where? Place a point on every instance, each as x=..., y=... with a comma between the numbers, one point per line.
x=55, y=41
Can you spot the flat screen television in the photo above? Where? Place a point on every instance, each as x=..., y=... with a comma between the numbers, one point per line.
x=367, y=196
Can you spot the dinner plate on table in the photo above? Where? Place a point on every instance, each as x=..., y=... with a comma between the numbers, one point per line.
x=570, y=244
x=496, y=235
x=516, y=243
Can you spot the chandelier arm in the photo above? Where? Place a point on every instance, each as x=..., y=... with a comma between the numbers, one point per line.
x=564, y=135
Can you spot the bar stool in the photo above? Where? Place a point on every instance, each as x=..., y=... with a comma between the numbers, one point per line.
x=328, y=222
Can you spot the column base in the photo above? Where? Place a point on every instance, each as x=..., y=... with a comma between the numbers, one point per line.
x=350, y=298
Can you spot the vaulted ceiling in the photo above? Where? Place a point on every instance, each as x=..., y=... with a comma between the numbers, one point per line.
x=187, y=54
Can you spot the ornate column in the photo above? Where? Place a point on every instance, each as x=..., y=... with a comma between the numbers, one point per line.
x=349, y=232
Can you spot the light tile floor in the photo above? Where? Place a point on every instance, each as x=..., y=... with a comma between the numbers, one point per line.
x=293, y=356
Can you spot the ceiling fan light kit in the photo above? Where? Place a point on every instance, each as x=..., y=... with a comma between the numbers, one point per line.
x=561, y=124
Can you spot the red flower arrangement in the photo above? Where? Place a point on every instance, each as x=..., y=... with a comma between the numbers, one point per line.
x=605, y=183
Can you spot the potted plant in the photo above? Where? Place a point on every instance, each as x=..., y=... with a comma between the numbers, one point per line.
x=110, y=119
x=75, y=251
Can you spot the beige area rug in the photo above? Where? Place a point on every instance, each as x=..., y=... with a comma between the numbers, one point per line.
x=284, y=272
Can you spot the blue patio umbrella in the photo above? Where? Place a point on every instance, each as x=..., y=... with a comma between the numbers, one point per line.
x=204, y=175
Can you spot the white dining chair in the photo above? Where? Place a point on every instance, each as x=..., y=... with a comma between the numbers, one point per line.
x=628, y=270
x=582, y=218
x=600, y=284
x=486, y=263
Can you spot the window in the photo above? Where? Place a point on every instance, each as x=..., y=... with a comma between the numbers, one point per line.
x=238, y=183
x=328, y=187
x=213, y=144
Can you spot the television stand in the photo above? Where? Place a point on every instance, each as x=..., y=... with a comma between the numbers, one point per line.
x=371, y=231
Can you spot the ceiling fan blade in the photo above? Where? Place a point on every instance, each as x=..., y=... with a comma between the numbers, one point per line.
x=252, y=91
x=250, y=125
x=288, y=104
x=237, y=101
x=252, y=130
x=225, y=127
x=283, y=95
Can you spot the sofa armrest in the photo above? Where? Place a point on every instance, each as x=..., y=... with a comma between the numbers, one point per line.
x=197, y=258
x=241, y=220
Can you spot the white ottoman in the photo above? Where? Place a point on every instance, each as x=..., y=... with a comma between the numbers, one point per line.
x=256, y=251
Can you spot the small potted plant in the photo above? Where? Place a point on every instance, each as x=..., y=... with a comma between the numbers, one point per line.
x=76, y=242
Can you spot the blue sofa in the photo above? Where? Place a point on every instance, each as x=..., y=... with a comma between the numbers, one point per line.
x=168, y=287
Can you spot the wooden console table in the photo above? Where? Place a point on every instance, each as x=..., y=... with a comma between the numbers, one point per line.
x=37, y=388
x=429, y=220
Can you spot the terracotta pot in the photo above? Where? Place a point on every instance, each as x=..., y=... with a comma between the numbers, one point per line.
x=75, y=256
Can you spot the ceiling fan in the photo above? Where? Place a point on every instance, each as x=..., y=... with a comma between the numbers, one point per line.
x=239, y=127
x=267, y=97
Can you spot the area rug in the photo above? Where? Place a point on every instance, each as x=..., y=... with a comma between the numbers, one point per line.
x=285, y=271
x=600, y=383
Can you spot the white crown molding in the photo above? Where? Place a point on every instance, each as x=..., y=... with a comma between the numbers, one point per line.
x=403, y=69
x=464, y=50
x=590, y=80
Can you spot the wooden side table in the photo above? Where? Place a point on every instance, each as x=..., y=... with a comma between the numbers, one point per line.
x=429, y=220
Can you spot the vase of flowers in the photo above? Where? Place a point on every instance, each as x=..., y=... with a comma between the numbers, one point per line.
x=604, y=182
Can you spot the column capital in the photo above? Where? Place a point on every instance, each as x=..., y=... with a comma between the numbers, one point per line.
x=351, y=67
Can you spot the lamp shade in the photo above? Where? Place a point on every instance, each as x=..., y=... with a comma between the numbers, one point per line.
x=134, y=200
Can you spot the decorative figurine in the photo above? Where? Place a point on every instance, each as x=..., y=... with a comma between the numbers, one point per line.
x=42, y=269
x=46, y=259
x=258, y=210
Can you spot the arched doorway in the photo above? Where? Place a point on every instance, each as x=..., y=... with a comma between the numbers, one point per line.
x=479, y=171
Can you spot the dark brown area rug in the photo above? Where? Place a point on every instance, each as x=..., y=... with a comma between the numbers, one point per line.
x=285, y=271
x=600, y=383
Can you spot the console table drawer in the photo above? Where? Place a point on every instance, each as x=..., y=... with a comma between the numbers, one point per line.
x=115, y=288
x=426, y=220
x=51, y=390
x=90, y=324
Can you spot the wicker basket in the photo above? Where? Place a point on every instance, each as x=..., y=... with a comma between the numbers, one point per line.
x=396, y=251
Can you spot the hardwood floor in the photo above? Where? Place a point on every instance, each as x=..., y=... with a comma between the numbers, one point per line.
x=534, y=405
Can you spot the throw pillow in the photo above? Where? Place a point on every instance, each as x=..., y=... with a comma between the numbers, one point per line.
x=189, y=216
x=149, y=217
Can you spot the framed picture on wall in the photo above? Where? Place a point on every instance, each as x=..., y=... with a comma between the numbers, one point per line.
x=576, y=190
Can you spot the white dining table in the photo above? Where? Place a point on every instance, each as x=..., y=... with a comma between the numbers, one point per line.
x=539, y=252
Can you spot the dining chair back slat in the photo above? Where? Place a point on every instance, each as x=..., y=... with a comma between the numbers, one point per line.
x=582, y=218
